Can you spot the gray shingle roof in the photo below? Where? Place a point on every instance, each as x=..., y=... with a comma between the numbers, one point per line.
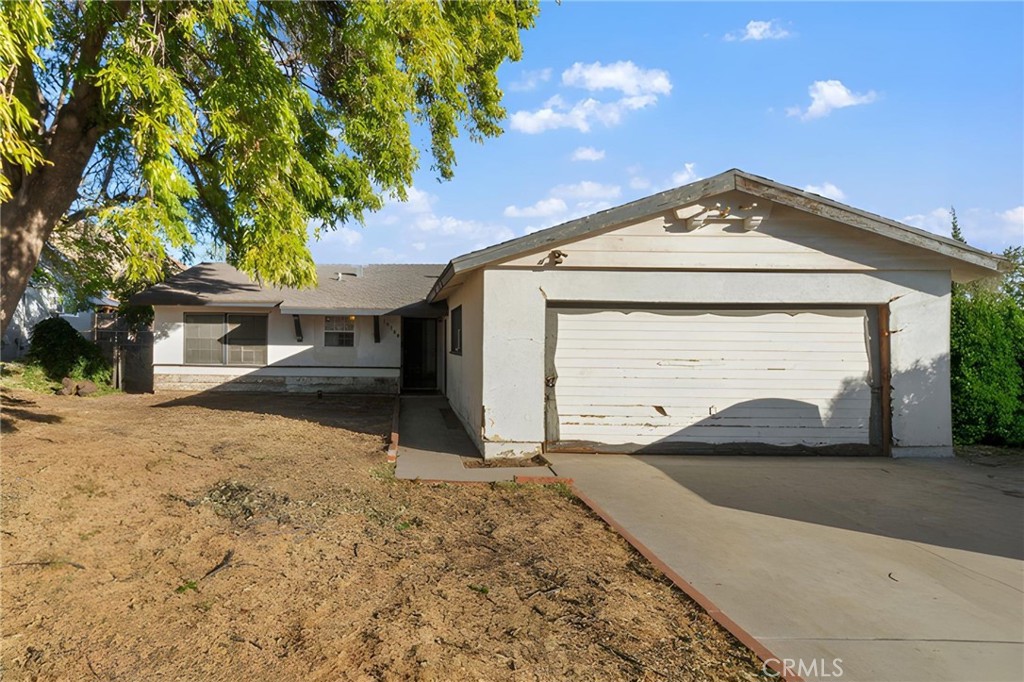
x=366, y=289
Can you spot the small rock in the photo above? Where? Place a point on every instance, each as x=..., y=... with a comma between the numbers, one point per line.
x=86, y=387
x=67, y=386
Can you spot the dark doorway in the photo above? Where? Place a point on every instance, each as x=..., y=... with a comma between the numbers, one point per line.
x=419, y=354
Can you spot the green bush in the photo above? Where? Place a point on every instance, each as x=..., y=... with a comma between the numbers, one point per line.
x=61, y=351
x=987, y=367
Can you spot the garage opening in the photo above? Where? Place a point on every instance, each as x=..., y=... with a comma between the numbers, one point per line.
x=724, y=380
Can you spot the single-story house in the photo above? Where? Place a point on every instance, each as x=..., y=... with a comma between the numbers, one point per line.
x=729, y=315
x=364, y=329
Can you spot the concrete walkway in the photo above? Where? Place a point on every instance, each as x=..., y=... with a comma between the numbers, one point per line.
x=905, y=569
x=433, y=446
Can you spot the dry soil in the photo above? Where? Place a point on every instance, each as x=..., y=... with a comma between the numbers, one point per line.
x=240, y=537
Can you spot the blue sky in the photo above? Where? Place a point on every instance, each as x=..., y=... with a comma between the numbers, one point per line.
x=899, y=109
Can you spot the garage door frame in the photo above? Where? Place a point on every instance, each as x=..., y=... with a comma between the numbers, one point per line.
x=881, y=393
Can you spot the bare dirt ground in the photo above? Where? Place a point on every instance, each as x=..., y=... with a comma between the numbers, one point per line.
x=264, y=538
x=991, y=456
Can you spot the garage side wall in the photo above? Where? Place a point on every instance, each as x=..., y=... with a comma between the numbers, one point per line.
x=465, y=371
x=515, y=301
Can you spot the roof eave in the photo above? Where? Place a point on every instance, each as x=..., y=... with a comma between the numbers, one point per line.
x=733, y=179
x=870, y=222
x=185, y=299
x=634, y=210
x=442, y=281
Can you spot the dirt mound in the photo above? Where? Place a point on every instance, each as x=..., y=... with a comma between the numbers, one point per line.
x=239, y=502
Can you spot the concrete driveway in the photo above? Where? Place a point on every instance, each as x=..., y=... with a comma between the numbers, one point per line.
x=904, y=569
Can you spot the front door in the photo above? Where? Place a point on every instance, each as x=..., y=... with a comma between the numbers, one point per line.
x=419, y=353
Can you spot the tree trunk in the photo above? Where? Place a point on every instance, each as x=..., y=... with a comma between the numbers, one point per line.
x=44, y=195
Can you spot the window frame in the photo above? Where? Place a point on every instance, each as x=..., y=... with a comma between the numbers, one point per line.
x=195, y=325
x=455, y=330
x=224, y=340
x=340, y=332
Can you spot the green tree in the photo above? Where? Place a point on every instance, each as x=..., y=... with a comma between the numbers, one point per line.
x=1012, y=284
x=131, y=127
x=987, y=355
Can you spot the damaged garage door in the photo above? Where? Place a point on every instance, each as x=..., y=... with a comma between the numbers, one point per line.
x=712, y=380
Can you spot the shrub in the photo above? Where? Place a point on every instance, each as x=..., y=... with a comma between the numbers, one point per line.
x=61, y=351
x=987, y=367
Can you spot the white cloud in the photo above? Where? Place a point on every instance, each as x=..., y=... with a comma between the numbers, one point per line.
x=585, y=196
x=542, y=209
x=582, y=115
x=450, y=226
x=984, y=228
x=587, y=207
x=1014, y=220
x=685, y=176
x=417, y=201
x=636, y=178
x=625, y=76
x=587, y=189
x=587, y=154
x=416, y=230
x=347, y=239
x=760, y=30
x=386, y=255
x=419, y=218
x=639, y=87
x=529, y=80
x=349, y=236
x=829, y=95
x=937, y=221
x=826, y=189
x=640, y=181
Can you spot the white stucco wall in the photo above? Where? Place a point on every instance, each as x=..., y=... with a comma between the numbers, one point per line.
x=464, y=372
x=300, y=365
x=514, y=330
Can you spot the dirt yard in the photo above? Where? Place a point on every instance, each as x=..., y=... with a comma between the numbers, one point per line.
x=264, y=538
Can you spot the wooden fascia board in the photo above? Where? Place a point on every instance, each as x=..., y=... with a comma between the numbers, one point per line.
x=442, y=281
x=867, y=222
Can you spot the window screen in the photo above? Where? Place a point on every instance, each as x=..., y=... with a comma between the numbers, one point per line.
x=203, y=335
x=246, y=339
x=339, y=331
x=457, y=330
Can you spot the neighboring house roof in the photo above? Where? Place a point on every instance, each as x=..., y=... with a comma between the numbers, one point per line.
x=341, y=289
x=103, y=302
x=730, y=180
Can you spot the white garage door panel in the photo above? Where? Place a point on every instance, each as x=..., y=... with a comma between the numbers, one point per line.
x=628, y=414
x=660, y=377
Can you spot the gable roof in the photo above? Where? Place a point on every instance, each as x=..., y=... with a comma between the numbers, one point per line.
x=341, y=289
x=730, y=180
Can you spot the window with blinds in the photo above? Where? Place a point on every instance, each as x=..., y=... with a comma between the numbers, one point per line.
x=225, y=339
